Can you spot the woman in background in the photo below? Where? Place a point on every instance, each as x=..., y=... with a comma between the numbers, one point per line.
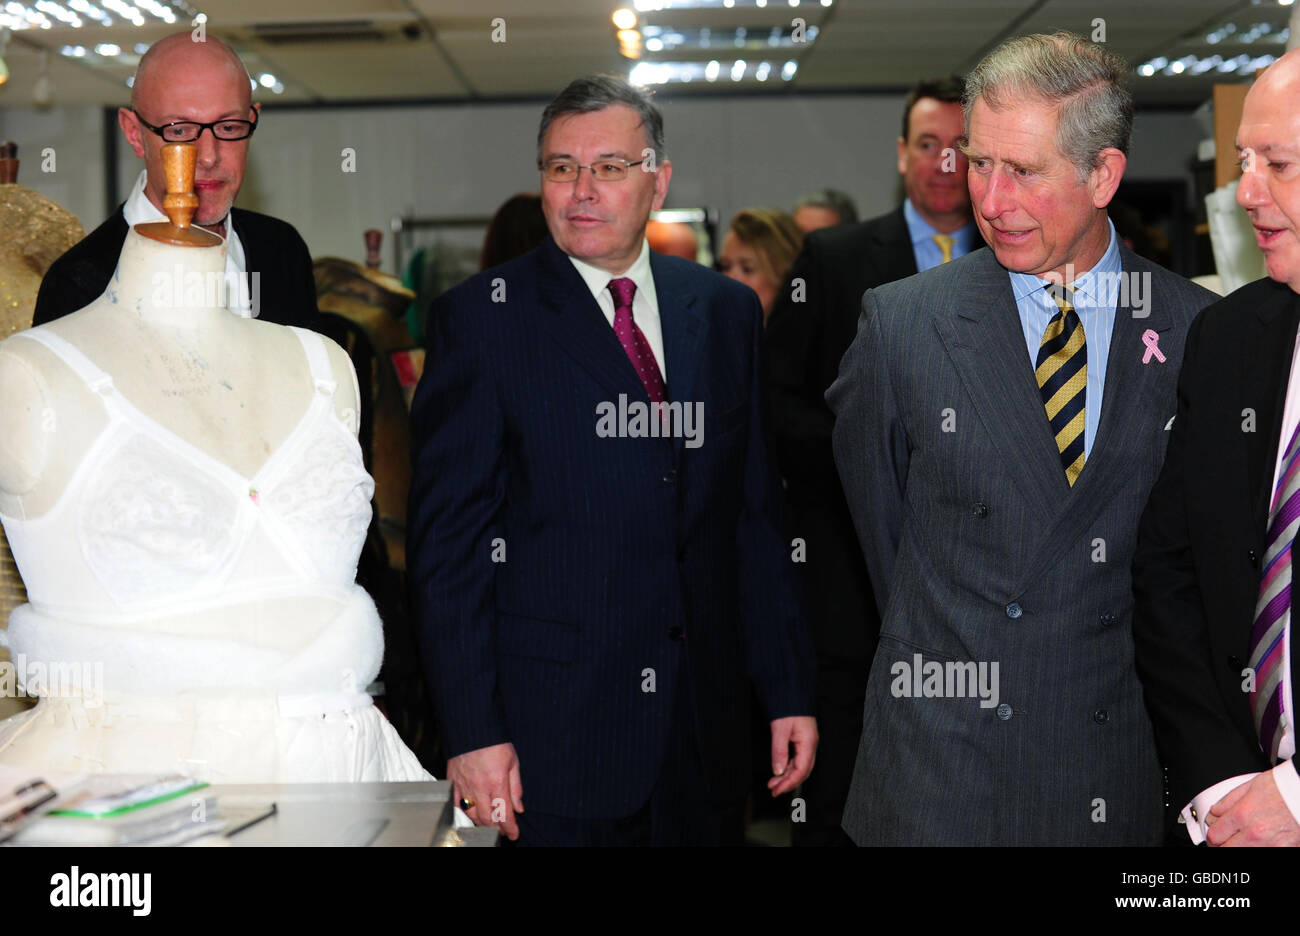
x=759, y=250
x=516, y=228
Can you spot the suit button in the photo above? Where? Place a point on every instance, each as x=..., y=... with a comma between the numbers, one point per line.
x=1004, y=712
x=979, y=511
x=1108, y=620
x=1254, y=559
x=1100, y=716
x=1013, y=611
x=670, y=476
x=676, y=633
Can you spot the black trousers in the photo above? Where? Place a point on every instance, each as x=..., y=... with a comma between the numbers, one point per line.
x=841, y=692
x=680, y=810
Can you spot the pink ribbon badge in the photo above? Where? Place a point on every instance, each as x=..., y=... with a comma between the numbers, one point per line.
x=1152, y=340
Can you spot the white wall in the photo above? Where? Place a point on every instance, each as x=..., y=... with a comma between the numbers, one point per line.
x=75, y=134
x=727, y=153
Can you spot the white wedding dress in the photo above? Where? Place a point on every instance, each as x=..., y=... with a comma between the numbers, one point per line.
x=150, y=530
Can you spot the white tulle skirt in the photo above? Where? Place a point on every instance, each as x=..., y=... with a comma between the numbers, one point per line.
x=221, y=738
x=211, y=709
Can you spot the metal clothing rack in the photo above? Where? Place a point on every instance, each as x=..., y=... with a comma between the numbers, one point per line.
x=404, y=226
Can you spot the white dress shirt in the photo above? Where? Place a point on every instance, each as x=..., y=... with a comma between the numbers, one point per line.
x=645, y=304
x=1284, y=774
x=139, y=210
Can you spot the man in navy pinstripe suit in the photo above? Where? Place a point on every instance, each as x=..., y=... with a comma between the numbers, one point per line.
x=594, y=594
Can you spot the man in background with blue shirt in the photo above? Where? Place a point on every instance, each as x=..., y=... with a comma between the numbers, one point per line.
x=811, y=326
x=999, y=422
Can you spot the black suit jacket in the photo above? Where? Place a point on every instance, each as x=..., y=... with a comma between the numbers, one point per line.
x=811, y=326
x=570, y=589
x=272, y=248
x=1201, y=541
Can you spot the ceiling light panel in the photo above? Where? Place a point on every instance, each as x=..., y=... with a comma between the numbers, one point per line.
x=751, y=39
x=75, y=14
x=659, y=6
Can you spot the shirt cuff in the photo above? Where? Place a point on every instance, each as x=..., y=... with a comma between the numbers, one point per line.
x=1197, y=811
x=1288, y=784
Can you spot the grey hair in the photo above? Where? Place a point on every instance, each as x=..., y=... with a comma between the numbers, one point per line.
x=833, y=199
x=1086, y=82
x=593, y=93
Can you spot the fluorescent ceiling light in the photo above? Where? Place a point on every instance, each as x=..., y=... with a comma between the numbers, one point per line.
x=660, y=73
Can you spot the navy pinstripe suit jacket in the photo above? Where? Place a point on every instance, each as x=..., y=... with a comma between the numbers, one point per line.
x=628, y=563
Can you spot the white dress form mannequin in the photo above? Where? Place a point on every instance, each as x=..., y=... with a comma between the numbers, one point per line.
x=234, y=389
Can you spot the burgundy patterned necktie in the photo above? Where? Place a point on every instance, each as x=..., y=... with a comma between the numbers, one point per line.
x=633, y=342
x=1273, y=609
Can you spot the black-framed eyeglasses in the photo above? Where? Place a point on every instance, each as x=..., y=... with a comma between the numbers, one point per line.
x=187, y=131
x=605, y=170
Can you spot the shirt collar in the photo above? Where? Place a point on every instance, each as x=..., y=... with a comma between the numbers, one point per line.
x=1093, y=289
x=921, y=231
x=138, y=209
x=597, y=280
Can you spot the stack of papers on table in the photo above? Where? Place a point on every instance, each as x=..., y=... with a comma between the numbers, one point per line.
x=124, y=809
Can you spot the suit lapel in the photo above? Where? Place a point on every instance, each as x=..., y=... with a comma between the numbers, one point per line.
x=986, y=344
x=684, y=327
x=892, y=249
x=1265, y=373
x=580, y=328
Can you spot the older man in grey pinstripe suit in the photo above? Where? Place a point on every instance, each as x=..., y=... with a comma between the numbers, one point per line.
x=1000, y=421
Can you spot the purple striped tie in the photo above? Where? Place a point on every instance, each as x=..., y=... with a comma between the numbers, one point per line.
x=1273, y=609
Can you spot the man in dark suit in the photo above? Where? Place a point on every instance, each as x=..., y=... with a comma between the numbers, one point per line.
x=811, y=326
x=199, y=91
x=999, y=422
x=1213, y=569
x=595, y=587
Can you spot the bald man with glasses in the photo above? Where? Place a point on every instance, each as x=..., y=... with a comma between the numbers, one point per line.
x=193, y=92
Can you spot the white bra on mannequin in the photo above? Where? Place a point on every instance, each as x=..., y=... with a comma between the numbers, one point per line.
x=156, y=516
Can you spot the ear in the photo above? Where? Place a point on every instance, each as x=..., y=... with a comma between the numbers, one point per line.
x=902, y=156
x=132, y=130
x=1106, y=177
x=257, y=110
x=662, y=177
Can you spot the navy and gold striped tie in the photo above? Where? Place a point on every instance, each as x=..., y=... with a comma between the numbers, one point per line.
x=1062, y=372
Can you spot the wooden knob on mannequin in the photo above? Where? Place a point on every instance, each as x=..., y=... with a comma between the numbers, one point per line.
x=178, y=161
x=180, y=203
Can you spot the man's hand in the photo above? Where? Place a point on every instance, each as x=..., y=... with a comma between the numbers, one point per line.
x=489, y=778
x=1253, y=814
x=801, y=731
